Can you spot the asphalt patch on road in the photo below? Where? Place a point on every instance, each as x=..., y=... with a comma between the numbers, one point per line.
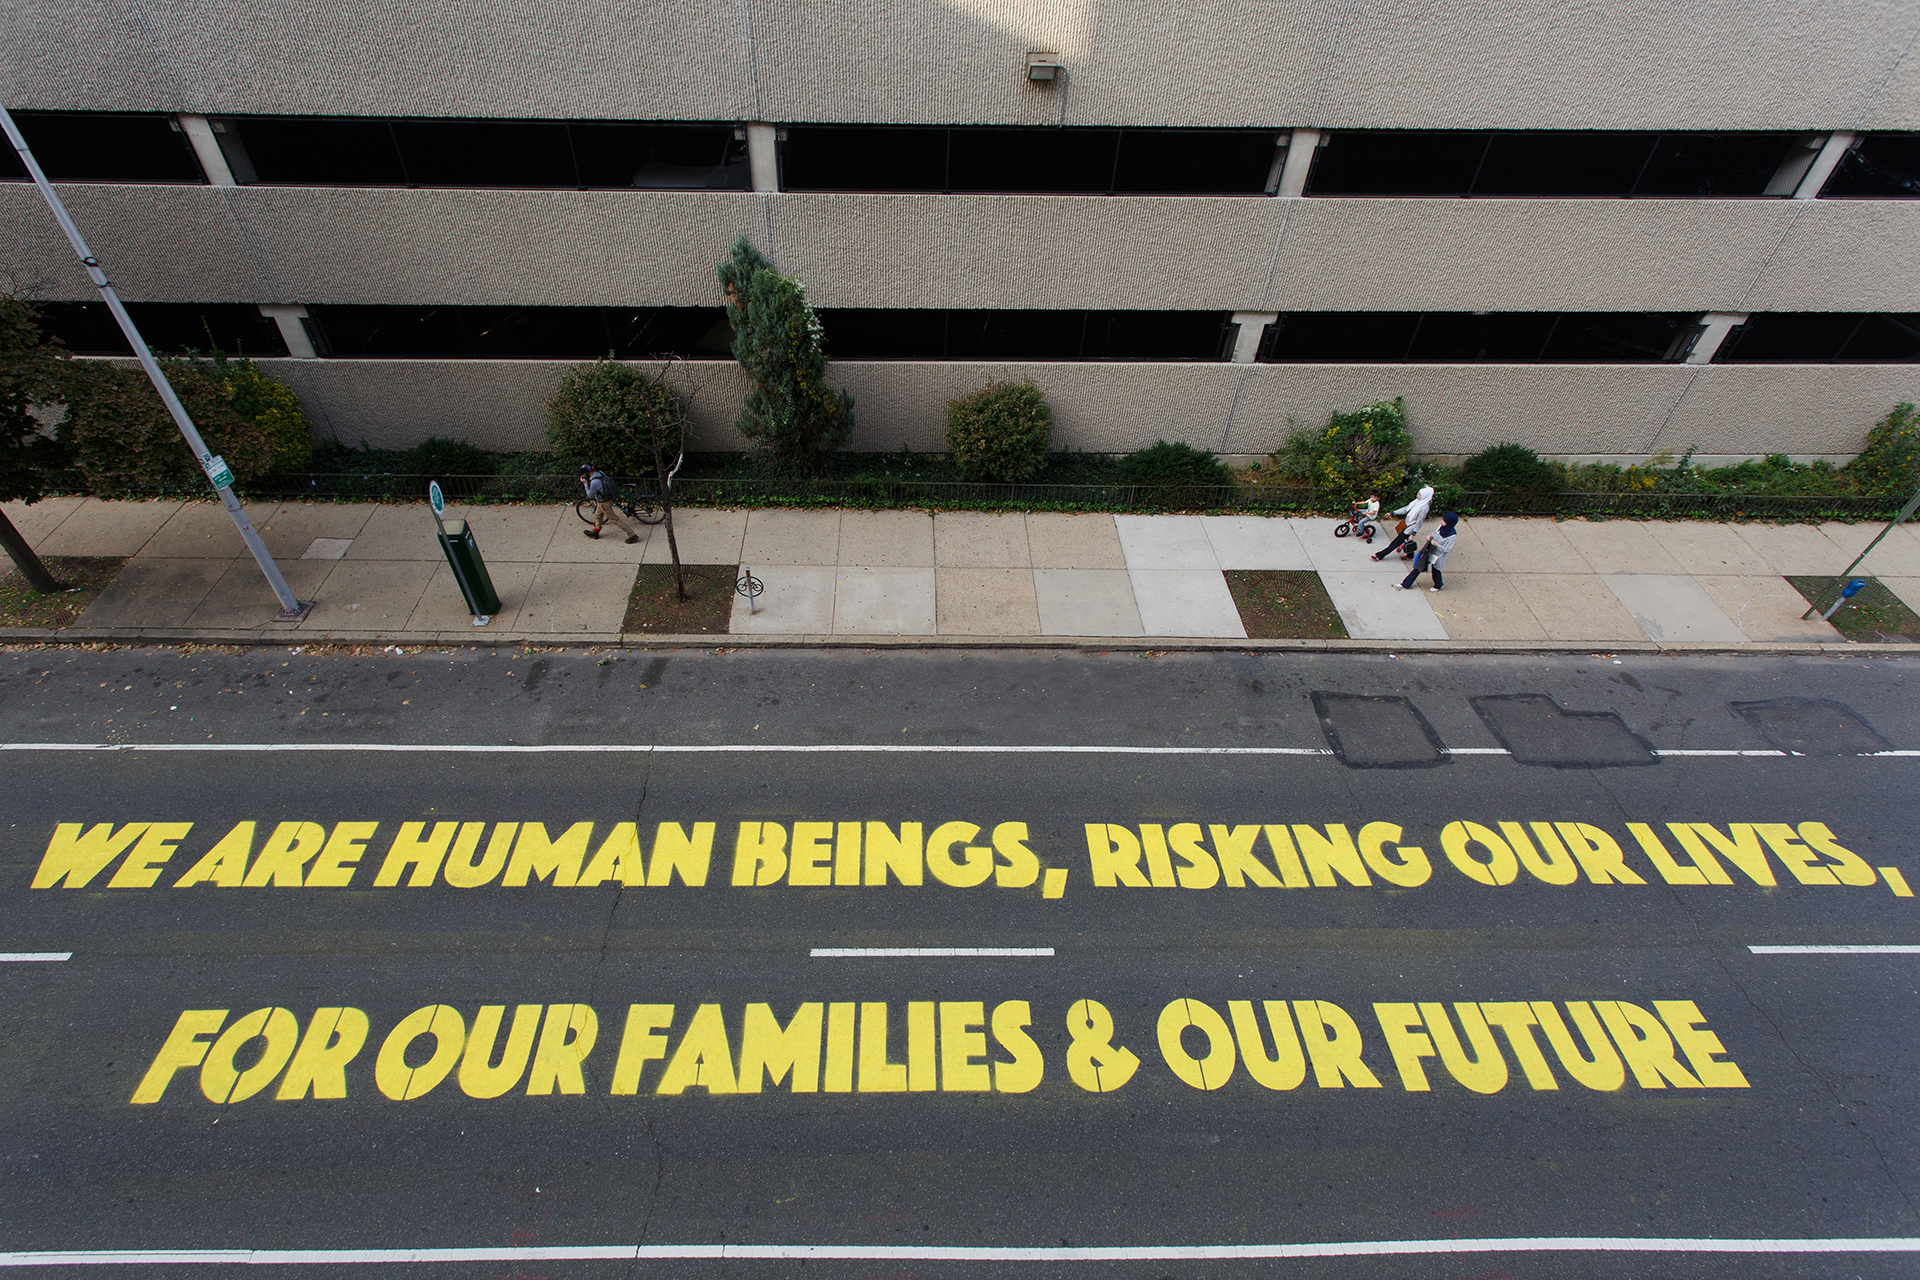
x=1378, y=731
x=1812, y=726
x=1539, y=731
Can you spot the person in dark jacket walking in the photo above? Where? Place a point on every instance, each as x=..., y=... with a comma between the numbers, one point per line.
x=1435, y=553
x=600, y=488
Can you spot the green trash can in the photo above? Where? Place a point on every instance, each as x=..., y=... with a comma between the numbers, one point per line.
x=463, y=554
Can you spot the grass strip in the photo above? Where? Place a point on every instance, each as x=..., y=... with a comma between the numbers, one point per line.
x=1285, y=604
x=85, y=577
x=655, y=606
x=1874, y=616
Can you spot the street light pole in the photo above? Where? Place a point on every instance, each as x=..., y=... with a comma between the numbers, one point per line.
x=217, y=473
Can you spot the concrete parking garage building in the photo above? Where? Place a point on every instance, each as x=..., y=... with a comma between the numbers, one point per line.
x=1603, y=231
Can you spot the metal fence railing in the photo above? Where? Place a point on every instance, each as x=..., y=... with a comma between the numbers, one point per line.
x=959, y=495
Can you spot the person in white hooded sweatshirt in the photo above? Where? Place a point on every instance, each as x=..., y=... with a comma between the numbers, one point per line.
x=1416, y=514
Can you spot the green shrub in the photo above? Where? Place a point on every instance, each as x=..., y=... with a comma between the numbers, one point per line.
x=124, y=441
x=1890, y=464
x=1181, y=464
x=1448, y=495
x=866, y=485
x=439, y=456
x=605, y=413
x=1000, y=432
x=1353, y=455
x=1511, y=468
x=273, y=407
x=1778, y=474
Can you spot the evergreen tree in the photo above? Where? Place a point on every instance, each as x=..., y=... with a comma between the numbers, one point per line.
x=777, y=339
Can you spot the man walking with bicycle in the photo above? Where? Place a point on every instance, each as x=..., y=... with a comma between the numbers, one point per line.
x=605, y=497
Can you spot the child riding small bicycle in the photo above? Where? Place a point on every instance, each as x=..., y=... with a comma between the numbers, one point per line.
x=1361, y=518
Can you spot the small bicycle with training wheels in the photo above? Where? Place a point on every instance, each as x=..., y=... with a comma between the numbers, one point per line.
x=1358, y=523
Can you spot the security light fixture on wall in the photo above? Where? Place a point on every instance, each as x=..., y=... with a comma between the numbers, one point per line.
x=1045, y=67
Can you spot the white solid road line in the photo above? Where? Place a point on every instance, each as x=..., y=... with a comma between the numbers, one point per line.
x=957, y=1253
x=1688, y=751
x=33, y=957
x=892, y=748
x=848, y=748
x=862, y=953
x=1836, y=951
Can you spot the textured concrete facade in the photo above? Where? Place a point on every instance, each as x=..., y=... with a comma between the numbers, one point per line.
x=617, y=248
x=1799, y=65
x=1604, y=411
x=1635, y=64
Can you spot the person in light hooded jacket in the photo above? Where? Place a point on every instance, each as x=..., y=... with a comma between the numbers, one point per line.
x=1416, y=514
x=1436, y=553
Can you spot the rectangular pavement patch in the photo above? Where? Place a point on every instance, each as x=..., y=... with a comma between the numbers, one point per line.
x=243, y=599
x=980, y=601
x=884, y=601
x=1766, y=607
x=798, y=601
x=1329, y=554
x=1186, y=602
x=1086, y=602
x=1527, y=544
x=1575, y=607
x=443, y=608
x=1375, y=608
x=1255, y=542
x=776, y=536
x=1619, y=546
x=981, y=540
x=371, y=595
x=1793, y=548
x=1165, y=542
x=703, y=536
x=203, y=530
x=1673, y=607
x=1061, y=541
x=886, y=539
x=1484, y=606
x=155, y=593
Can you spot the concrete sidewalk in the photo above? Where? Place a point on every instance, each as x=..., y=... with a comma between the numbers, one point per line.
x=375, y=572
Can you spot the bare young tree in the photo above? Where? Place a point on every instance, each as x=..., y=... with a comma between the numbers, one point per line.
x=658, y=431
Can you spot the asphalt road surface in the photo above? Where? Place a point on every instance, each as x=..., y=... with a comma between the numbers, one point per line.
x=618, y=965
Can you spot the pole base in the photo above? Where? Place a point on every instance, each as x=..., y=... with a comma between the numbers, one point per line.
x=301, y=608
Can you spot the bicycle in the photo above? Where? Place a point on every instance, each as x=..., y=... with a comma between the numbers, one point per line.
x=642, y=508
x=646, y=507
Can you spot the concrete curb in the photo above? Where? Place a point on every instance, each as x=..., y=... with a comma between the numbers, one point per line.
x=1071, y=644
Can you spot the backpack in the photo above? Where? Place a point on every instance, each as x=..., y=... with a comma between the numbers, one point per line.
x=600, y=488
